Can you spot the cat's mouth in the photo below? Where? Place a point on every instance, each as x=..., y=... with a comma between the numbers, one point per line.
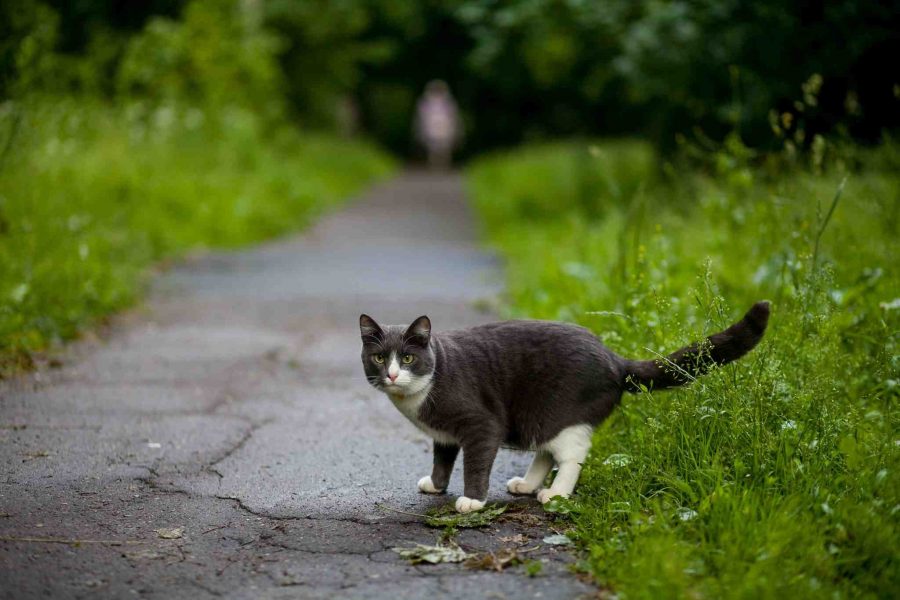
x=412, y=386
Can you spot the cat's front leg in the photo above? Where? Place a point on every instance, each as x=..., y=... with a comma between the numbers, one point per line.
x=478, y=459
x=444, y=457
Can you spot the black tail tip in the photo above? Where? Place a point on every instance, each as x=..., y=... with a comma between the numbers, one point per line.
x=758, y=315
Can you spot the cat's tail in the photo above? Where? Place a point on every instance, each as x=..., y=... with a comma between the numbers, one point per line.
x=685, y=365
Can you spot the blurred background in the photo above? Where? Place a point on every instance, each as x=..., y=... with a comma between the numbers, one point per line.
x=521, y=70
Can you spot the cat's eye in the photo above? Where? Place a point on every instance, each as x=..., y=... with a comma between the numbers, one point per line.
x=408, y=359
x=378, y=358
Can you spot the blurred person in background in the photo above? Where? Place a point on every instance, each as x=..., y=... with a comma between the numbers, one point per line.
x=437, y=125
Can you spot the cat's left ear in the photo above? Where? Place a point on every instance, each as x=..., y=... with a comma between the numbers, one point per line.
x=419, y=333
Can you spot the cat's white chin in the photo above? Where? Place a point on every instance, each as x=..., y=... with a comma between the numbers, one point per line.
x=427, y=486
x=467, y=505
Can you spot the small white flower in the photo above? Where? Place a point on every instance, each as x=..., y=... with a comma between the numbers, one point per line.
x=686, y=514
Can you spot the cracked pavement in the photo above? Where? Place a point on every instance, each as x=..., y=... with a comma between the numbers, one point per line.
x=233, y=404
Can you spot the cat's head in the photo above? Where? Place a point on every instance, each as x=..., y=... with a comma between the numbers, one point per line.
x=398, y=360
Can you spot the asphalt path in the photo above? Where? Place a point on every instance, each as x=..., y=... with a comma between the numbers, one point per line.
x=221, y=440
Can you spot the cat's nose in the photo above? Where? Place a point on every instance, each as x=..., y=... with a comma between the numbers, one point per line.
x=393, y=377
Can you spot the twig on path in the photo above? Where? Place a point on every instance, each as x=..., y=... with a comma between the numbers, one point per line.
x=70, y=542
x=213, y=529
x=228, y=563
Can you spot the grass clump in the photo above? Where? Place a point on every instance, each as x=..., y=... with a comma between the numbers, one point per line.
x=773, y=477
x=447, y=516
x=92, y=194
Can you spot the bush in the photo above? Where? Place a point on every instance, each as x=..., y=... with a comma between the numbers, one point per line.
x=775, y=476
x=216, y=55
x=94, y=194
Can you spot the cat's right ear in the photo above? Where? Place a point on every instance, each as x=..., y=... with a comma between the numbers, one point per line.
x=369, y=329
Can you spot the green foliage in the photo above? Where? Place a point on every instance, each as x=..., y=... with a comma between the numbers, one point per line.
x=140, y=148
x=325, y=51
x=533, y=568
x=95, y=194
x=28, y=34
x=586, y=178
x=216, y=55
x=522, y=69
x=433, y=555
x=773, y=477
x=664, y=68
x=447, y=516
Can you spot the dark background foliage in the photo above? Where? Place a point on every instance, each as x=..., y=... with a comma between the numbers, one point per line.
x=526, y=69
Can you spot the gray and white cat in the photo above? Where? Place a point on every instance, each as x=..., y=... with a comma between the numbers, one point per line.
x=529, y=385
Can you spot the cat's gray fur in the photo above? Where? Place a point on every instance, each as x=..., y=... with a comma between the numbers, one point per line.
x=520, y=383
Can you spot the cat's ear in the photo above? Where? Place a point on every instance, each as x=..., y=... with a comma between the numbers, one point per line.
x=419, y=333
x=369, y=329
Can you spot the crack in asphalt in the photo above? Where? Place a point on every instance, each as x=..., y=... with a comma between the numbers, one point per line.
x=241, y=505
x=254, y=427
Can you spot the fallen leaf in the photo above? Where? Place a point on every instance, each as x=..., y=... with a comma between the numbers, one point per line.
x=514, y=539
x=172, y=533
x=420, y=553
x=517, y=513
x=559, y=539
x=493, y=561
x=446, y=516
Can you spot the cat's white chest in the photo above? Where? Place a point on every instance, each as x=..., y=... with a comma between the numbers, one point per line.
x=409, y=407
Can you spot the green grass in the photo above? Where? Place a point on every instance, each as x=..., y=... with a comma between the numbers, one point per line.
x=773, y=477
x=92, y=195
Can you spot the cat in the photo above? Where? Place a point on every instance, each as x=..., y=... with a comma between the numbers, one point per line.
x=528, y=385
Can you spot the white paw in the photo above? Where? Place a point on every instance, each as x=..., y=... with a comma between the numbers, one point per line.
x=544, y=496
x=518, y=485
x=426, y=485
x=465, y=505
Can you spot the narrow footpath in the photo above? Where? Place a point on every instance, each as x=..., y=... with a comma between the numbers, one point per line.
x=224, y=437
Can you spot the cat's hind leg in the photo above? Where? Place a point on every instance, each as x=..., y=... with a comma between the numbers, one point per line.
x=569, y=448
x=540, y=466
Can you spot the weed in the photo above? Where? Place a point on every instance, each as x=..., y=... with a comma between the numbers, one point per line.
x=533, y=568
x=446, y=516
x=441, y=553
